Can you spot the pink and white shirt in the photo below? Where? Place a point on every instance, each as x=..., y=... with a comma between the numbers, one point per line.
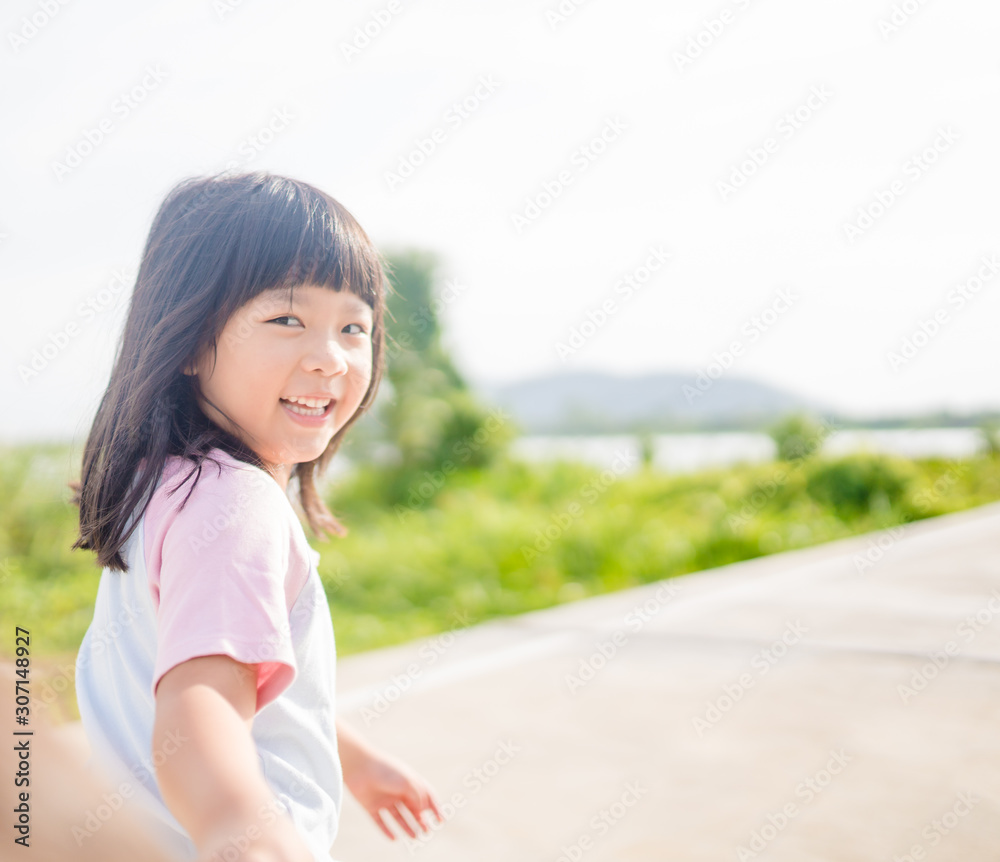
x=230, y=573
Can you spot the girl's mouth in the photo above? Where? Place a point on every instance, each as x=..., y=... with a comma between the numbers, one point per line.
x=308, y=415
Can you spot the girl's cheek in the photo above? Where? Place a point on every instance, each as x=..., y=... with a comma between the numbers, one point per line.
x=360, y=358
x=239, y=328
x=363, y=367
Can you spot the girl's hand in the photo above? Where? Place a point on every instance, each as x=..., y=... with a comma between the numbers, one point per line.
x=381, y=783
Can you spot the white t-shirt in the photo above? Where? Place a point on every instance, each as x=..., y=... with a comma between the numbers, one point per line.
x=230, y=573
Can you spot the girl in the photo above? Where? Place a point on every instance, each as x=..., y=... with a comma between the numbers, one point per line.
x=205, y=682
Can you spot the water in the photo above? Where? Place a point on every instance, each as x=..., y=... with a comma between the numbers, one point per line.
x=685, y=453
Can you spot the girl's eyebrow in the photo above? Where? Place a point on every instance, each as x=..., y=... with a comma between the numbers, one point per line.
x=359, y=304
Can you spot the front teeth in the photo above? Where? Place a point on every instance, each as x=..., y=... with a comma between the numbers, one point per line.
x=306, y=406
x=310, y=402
x=305, y=411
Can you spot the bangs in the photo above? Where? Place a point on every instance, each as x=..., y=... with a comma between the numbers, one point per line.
x=288, y=234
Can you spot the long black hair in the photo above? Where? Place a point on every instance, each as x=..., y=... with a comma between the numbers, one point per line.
x=215, y=244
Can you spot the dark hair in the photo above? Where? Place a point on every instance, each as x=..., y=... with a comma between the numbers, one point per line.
x=215, y=244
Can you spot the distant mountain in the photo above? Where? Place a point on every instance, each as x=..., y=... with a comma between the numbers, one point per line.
x=586, y=402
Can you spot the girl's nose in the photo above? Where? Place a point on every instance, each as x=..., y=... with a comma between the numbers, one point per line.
x=329, y=358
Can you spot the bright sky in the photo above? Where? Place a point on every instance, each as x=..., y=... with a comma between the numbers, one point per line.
x=744, y=170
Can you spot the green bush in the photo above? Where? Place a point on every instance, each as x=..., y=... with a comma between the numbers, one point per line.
x=797, y=436
x=859, y=484
x=989, y=432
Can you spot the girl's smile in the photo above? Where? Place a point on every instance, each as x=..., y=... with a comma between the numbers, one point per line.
x=310, y=412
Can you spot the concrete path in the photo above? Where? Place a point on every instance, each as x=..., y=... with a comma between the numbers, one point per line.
x=836, y=703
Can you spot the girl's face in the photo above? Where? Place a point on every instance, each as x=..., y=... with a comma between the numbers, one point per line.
x=272, y=350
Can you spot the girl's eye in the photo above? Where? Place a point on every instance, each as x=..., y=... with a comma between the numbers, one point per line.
x=360, y=329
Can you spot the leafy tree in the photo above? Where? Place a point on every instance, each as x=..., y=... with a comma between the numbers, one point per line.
x=432, y=419
x=989, y=430
x=647, y=447
x=797, y=435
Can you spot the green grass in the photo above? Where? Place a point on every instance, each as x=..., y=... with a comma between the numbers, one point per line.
x=497, y=541
x=479, y=549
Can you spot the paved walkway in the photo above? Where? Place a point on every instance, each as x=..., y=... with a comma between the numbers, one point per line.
x=836, y=703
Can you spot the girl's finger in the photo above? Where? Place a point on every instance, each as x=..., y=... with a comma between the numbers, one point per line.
x=425, y=804
x=377, y=817
x=432, y=803
x=401, y=820
x=416, y=811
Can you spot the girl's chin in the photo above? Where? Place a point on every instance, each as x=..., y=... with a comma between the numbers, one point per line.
x=305, y=454
x=290, y=457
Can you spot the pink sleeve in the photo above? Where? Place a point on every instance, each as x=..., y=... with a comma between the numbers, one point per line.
x=217, y=573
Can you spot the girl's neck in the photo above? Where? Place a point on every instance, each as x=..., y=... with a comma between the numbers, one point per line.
x=281, y=473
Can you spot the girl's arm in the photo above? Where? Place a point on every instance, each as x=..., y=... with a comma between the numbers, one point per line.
x=207, y=764
x=379, y=782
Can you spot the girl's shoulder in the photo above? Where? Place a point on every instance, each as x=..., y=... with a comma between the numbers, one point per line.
x=220, y=481
x=231, y=514
x=218, y=469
